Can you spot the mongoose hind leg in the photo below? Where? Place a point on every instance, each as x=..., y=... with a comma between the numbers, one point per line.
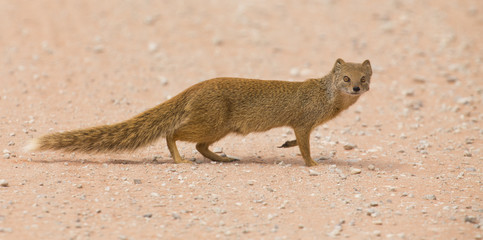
x=303, y=140
x=173, y=149
x=203, y=149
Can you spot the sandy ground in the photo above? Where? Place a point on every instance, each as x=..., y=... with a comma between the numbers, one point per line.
x=418, y=133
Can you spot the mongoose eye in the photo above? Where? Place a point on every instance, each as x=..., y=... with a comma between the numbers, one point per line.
x=363, y=79
x=347, y=79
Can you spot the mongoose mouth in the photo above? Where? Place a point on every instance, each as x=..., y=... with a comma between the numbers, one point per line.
x=354, y=93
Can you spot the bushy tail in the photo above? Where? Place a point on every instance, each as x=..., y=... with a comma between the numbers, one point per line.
x=129, y=135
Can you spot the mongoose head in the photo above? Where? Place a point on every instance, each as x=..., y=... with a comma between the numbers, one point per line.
x=352, y=78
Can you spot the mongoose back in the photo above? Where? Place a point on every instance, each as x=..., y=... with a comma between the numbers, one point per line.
x=209, y=110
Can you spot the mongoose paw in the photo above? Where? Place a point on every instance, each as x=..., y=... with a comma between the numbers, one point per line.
x=230, y=159
x=225, y=158
x=183, y=161
x=311, y=164
x=289, y=144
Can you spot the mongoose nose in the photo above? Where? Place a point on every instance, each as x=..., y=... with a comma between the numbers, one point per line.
x=356, y=89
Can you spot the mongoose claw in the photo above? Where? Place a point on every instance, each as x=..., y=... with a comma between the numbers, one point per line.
x=230, y=158
x=289, y=144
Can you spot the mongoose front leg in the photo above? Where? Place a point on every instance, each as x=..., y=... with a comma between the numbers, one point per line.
x=289, y=144
x=303, y=140
x=174, y=150
x=203, y=149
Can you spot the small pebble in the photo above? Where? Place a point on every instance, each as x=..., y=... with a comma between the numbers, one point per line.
x=218, y=41
x=3, y=183
x=419, y=80
x=355, y=170
x=163, y=80
x=152, y=47
x=336, y=231
x=451, y=79
x=98, y=49
x=7, y=230
x=372, y=212
x=377, y=222
x=371, y=167
x=387, y=27
x=471, y=219
x=313, y=173
x=137, y=181
x=154, y=194
x=349, y=146
x=175, y=215
x=323, y=158
x=150, y=20
x=464, y=100
x=430, y=197
x=148, y=215
x=270, y=189
x=408, y=93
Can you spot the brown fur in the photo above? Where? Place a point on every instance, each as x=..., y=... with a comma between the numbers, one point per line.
x=208, y=111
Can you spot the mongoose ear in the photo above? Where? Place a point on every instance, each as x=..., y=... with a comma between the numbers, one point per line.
x=338, y=64
x=339, y=61
x=367, y=66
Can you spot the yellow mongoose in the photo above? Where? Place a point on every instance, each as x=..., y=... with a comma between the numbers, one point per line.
x=209, y=110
